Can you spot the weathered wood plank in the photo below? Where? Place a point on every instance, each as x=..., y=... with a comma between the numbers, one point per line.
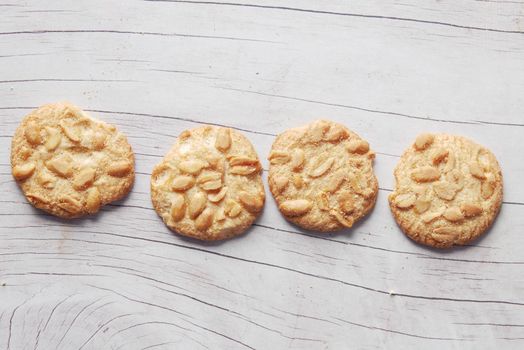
x=121, y=280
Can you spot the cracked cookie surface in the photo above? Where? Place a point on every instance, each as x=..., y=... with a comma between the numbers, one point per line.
x=208, y=186
x=68, y=163
x=448, y=190
x=321, y=176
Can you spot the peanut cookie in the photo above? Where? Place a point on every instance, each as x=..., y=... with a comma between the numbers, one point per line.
x=208, y=186
x=321, y=176
x=448, y=190
x=68, y=163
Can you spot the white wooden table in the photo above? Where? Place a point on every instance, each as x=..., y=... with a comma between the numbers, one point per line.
x=122, y=280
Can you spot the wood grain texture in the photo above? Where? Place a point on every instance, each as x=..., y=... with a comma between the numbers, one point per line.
x=122, y=280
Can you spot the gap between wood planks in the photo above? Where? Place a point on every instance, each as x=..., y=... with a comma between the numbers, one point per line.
x=347, y=14
x=108, y=31
x=374, y=111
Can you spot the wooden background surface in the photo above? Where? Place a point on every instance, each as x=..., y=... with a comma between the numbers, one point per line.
x=122, y=280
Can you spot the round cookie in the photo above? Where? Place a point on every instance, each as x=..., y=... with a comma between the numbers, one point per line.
x=208, y=186
x=68, y=163
x=321, y=176
x=448, y=190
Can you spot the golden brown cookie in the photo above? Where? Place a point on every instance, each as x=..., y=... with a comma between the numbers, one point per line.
x=448, y=190
x=208, y=186
x=321, y=176
x=68, y=163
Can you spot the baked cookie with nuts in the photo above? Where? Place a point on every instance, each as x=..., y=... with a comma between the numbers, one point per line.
x=68, y=163
x=208, y=186
x=448, y=190
x=321, y=176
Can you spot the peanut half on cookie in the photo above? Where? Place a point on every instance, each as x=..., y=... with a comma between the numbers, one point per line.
x=448, y=190
x=321, y=176
x=68, y=163
x=208, y=186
